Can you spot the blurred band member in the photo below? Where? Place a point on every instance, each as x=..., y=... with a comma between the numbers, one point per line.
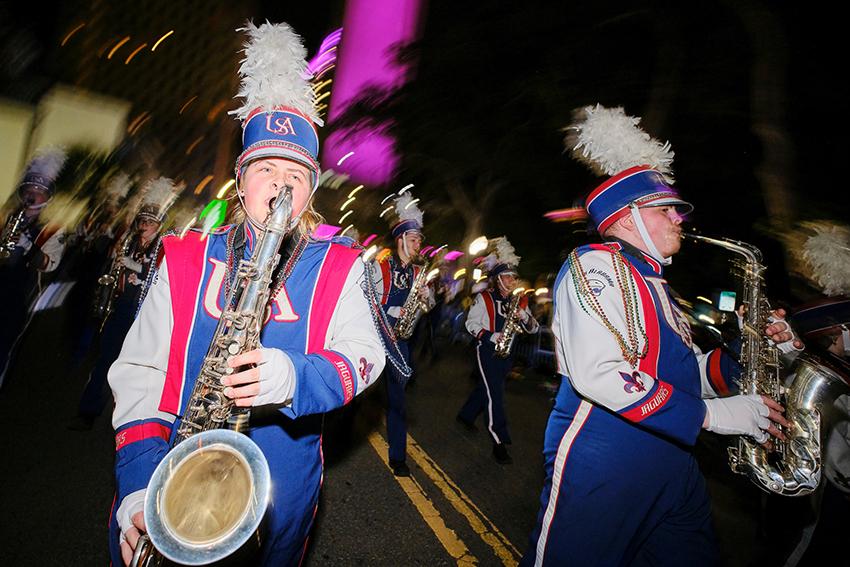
x=393, y=279
x=131, y=270
x=486, y=322
x=27, y=249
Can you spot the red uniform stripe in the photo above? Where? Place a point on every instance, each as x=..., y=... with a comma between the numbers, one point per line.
x=491, y=309
x=715, y=375
x=142, y=431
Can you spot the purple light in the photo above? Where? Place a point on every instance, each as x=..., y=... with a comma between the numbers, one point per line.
x=453, y=255
x=426, y=249
x=372, y=29
x=369, y=239
x=325, y=56
x=325, y=231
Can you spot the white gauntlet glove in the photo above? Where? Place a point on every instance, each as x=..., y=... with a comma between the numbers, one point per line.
x=128, y=263
x=739, y=415
x=131, y=505
x=24, y=242
x=494, y=338
x=277, y=378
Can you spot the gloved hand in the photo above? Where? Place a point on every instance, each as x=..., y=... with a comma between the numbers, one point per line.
x=130, y=264
x=271, y=381
x=494, y=338
x=524, y=316
x=24, y=242
x=738, y=415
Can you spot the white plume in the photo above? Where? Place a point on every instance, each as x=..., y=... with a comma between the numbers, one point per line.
x=504, y=251
x=274, y=72
x=609, y=141
x=47, y=162
x=827, y=254
x=406, y=208
x=118, y=186
x=160, y=192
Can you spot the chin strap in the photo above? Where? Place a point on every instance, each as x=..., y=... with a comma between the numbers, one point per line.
x=653, y=251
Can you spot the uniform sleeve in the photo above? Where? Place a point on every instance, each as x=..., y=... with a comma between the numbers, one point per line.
x=591, y=357
x=352, y=360
x=530, y=325
x=718, y=373
x=137, y=378
x=478, y=320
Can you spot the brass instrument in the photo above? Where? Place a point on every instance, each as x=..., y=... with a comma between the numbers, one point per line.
x=511, y=328
x=12, y=233
x=792, y=467
x=107, y=284
x=209, y=494
x=413, y=305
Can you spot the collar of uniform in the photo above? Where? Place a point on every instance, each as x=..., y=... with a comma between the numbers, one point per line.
x=638, y=254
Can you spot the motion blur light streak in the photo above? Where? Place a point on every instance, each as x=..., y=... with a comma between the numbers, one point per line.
x=133, y=54
x=117, y=47
x=345, y=216
x=343, y=158
x=71, y=33
x=160, y=40
x=355, y=190
x=187, y=103
x=348, y=202
x=204, y=182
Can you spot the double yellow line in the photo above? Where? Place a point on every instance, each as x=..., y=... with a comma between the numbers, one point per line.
x=478, y=521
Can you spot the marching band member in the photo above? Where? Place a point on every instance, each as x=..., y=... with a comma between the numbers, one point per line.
x=622, y=485
x=27, y=249
x=486, y=321
x=320, y=347
x=394, y=279
x=131, y=265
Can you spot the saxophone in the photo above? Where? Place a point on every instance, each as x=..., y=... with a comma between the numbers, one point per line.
x=107, y=284
x=511, y=328
x=12, y=233
x=209, y=494
x=792, y=467
x=413, y=305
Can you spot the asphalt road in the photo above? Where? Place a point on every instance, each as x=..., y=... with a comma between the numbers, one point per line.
x=460, y=507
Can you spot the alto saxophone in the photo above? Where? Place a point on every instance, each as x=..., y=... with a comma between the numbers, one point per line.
x=209, y=494
x=413, y=305
x=12, y=233
x=511, y=328
x=792, y=467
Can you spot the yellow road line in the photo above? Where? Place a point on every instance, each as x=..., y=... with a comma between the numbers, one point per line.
x=479, y=522
x=448, y=538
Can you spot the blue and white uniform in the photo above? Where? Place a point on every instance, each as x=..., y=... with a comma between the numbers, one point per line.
x=393, y=280
x=321, y=320
x=485, y=322
x=622, y=485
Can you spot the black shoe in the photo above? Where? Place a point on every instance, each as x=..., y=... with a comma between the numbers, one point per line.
x=468, y=425
x=500, y=453
x=81, y=423
x=399, y=468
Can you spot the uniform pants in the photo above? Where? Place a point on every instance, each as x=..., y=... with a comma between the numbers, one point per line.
x=115, y=330
x=489, y=393
x=395, y=384
x=616, y=494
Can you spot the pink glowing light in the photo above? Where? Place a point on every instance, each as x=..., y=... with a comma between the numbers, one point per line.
x=326, y=56
x=373, y=28
x=453, y=255
x=564, y=215
x=369, y=239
